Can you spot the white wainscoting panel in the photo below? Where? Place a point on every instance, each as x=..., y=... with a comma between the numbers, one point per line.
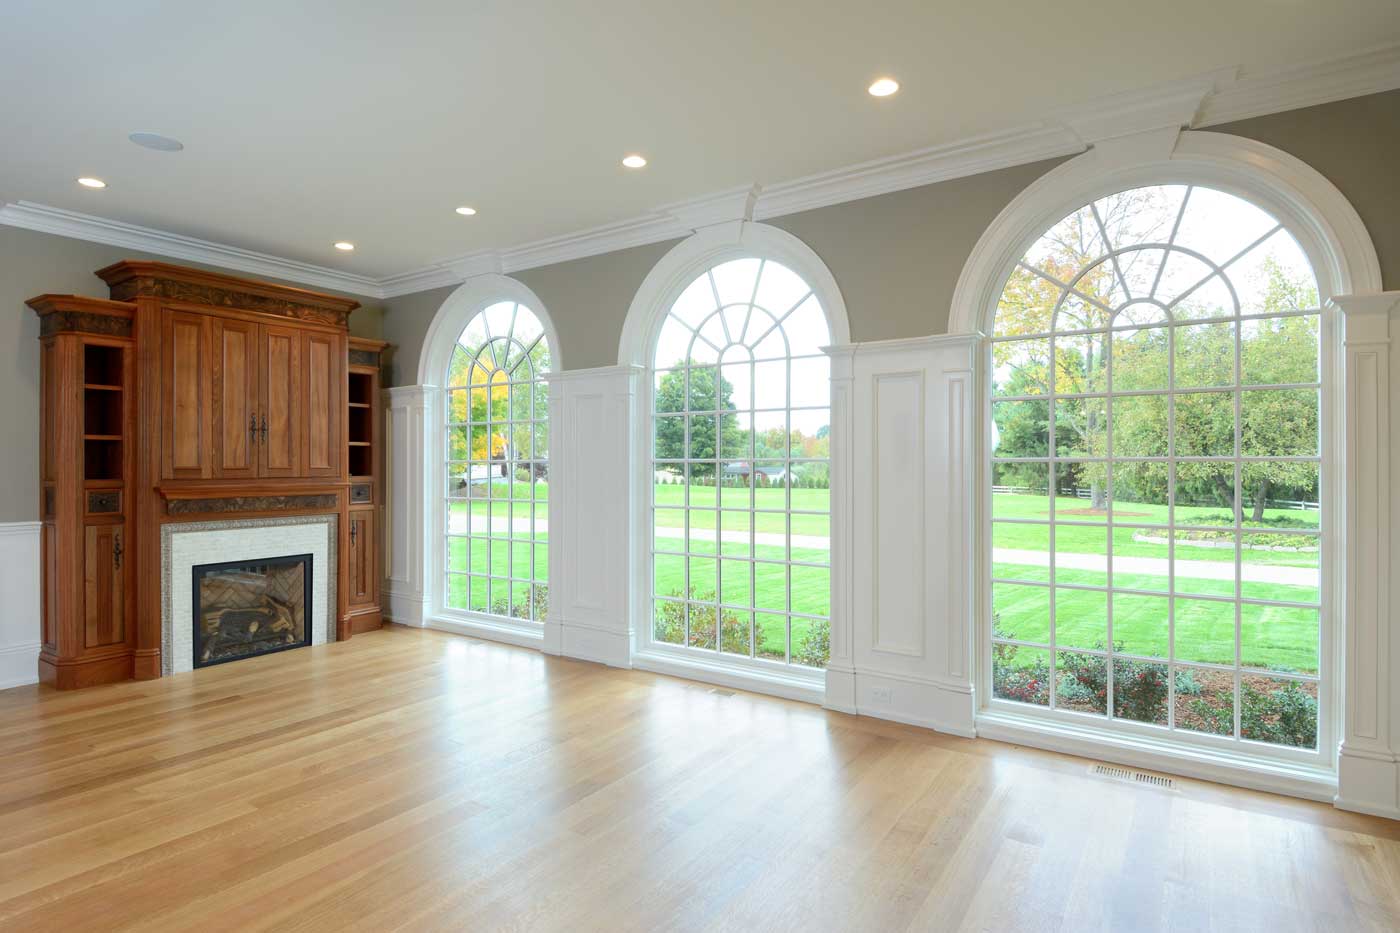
x=20, y=622
x=590, y=515
x=408, y=483
x=910, y=565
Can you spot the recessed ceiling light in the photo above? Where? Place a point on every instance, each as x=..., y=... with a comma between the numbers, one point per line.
x=345, y=245
x=466, y=211
x=90, y=182
x=634, y=161
x=883, y=87
x=157, y=142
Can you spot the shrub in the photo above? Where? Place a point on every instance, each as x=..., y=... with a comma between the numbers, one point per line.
x=815, y=648
x=1084, y=677
x=1186, y=684
x=669, y=626
x=1025, y=683
x=1139, y=690
x=504, y=606
x=1286, y=716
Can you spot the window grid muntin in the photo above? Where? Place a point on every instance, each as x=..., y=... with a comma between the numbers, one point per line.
x=1241, y=528
x=513, y=360
x=713, y=512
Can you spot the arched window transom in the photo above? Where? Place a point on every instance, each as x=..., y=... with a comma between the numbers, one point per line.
x=497, y=471
x=1156, y=472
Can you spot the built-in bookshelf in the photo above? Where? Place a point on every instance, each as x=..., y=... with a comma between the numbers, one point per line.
x=103, y=407
x=366, y=458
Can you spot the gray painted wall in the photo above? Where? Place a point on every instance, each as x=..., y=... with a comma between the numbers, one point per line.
x=32, y=264
x=897, y=257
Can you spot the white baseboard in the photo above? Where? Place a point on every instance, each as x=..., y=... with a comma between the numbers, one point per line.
x=19, y=665
x=20, y=623
x=594, y=643
x=404, y=608
x=916, y=701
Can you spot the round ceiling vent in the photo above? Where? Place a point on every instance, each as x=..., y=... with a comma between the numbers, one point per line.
x=157, y=142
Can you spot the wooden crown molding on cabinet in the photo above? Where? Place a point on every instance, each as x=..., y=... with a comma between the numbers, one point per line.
x=60, y=314
x=128, y=280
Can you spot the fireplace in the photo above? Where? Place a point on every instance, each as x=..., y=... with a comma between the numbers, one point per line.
x=245, y=608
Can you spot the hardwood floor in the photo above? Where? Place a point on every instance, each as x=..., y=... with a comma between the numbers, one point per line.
x=417, y=780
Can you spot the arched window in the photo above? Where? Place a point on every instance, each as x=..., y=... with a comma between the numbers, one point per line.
x=497, y=447
x=1156, y=473
x=741, y=546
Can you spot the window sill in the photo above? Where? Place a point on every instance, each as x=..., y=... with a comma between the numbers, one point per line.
x=801, y=686
x=492, y=629
x=1311, y=782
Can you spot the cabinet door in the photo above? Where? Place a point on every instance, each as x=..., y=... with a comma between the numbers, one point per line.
x=323, y=368
x=104, y=585
x=186, y=443
x=235, y=390
x=363, y=573
x=279, y=447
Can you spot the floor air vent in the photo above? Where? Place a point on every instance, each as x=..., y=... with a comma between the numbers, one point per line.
x=1133, y=777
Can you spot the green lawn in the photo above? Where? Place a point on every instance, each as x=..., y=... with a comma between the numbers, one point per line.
x=1270, y=636
x=724, y=568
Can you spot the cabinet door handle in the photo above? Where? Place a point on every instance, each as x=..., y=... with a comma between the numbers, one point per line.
x=353, y=528
x=252, y=429
x=263, y=429
x=117, y=551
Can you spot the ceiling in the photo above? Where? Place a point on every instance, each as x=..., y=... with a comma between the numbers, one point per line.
x=310, y=122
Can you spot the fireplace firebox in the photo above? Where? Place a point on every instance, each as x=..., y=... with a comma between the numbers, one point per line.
x=245, y=608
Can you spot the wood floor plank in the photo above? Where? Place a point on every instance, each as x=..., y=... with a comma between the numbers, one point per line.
x=413, y=780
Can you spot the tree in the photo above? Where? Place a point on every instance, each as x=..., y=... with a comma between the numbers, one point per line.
x=671, y=432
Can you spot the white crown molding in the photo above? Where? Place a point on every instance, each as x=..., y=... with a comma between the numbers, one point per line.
x=1323, y=81
x=1172, y=104
x=1199, y=101
x=44, y=219
x=923, y=167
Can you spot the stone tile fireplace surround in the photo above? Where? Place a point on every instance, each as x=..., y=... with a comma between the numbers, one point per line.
x=184, y=546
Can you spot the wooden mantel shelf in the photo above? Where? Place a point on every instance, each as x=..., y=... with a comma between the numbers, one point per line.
x=206, y=490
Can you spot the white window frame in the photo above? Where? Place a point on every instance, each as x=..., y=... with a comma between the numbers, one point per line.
x=1335, y=242
x=458, y=310
x=675, y=271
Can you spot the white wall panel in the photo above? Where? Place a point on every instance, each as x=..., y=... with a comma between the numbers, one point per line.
x=909, y=569
x=590, y=515
x=20, y=622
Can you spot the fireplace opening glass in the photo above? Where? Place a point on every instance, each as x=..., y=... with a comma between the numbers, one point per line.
x=245, y=608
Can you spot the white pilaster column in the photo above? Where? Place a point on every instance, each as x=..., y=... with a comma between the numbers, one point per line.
x=903, y=591
x=840, y=668
x=1368, y=773
x=407, y=592
x=593, y=456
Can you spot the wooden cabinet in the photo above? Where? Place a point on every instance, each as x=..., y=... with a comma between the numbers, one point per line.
x=364, y=454
x=87, y=465
x=364, y=571
x=244, y=400
x=280, y=395
x=235, y=403
x=192, y=396
x=105, y=571
x=323, y=363
x=186, y=410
